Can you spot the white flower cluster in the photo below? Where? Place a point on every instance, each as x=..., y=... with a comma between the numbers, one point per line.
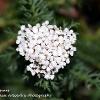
x=47, y=47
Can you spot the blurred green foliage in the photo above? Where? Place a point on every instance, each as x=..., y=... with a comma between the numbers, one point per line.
x=80, y=80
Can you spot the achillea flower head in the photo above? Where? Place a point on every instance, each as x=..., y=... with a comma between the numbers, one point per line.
x=47, y=47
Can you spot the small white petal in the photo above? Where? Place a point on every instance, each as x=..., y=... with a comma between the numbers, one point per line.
x=23, y=27
x=28, y=68
x=67, y=61
x=29, y=25
x=35, y=29
x=48, y=69
x=43, y=67
x=47, y=22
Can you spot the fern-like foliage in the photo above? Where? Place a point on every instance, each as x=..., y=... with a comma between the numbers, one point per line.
x=80, y=80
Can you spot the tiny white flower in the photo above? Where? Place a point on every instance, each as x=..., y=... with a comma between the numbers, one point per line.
x=66, y=55
x=23, y=27
x=54, y=53
x=44, y=67
x=35, y=29
x=50, y=26
x=71, y=53
x=48, y=69
x=20, y=32
x=54, y=63
x=51, y=66
x=56, y=43
x=29, y=25
x=47, y=22
x=47, y=76
x=67, y=61
x=38, y=25
x=58, y=59
x=52, y=77
x=47, y=63
x=37, y=70
x=17, y=41
x=42, y=56
x=28, y=68
x=33, y=73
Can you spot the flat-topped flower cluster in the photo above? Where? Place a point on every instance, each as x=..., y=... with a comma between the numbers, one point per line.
x=47, y=47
